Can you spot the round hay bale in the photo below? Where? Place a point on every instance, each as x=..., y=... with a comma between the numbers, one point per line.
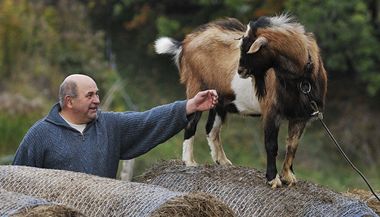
x=365, y=196
x=246, y=192
x=193, y=205
x=97, y=196
x=16, y=204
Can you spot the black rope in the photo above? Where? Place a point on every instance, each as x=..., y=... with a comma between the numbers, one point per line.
x=319, y=115
x=347, y=159
x=305, y=88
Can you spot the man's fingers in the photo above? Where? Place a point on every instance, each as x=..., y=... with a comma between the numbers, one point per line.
x=213, y=93
x=214, y=97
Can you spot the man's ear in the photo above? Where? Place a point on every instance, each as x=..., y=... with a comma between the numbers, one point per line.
x=68, y=101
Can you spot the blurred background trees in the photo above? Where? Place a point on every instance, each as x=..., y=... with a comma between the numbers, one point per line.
x=42, y=41
x=348, y=33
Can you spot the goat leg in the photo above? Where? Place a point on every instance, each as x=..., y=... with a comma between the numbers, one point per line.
x=213, y=127
x=187, y=147
x=295, y=130
x=271, y=129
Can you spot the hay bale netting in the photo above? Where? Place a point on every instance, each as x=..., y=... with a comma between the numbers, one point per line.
x=97, y=196
x=16, y=204
x=367, y=197
x=246, y=192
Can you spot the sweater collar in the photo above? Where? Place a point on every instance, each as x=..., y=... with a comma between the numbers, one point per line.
x=56, y=119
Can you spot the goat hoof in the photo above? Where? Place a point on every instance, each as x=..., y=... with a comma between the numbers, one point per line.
x=289, y=178
x=276, y=182
x=223, y=162
x=191, y=163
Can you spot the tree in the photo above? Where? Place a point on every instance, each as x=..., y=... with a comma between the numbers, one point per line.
x=41, y=42
x=347, y=36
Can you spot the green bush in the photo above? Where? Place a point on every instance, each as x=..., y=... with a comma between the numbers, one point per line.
x=41, y=43
x=346, y=34
x=12, y=130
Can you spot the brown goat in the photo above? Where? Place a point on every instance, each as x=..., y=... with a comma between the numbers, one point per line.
x=273, y=57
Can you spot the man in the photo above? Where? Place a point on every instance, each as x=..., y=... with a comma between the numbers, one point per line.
x=77, y=136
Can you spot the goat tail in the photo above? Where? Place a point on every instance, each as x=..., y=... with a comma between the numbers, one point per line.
x=166, y=45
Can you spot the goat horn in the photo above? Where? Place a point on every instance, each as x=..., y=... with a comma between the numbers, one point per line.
x=260, y=41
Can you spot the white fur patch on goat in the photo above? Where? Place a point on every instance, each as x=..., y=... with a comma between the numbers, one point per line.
x=213, y=138
x=246, y=100
x=246, y=33
x=286, y=22
x=281, y=20
x=187, y=152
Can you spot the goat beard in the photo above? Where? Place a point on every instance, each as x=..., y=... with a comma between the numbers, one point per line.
x=260, y=86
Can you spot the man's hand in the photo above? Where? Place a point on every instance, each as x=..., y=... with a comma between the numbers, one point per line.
x=203, y=101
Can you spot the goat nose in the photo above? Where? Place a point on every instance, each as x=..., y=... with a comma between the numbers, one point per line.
x=240, y=70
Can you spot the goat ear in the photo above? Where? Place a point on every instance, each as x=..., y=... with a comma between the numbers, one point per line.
x=260, y=41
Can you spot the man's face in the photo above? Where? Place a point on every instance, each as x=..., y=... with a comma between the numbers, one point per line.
x=86, y=104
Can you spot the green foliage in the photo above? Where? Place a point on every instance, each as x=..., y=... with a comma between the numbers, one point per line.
x=13, y=129
x=346, y=36
x=166, y=26
x=374, y=82
x=42, y=43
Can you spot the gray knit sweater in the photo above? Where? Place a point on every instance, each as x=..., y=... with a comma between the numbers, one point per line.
x=52, y=143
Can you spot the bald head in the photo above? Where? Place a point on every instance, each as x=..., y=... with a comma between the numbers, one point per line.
x=70, y=86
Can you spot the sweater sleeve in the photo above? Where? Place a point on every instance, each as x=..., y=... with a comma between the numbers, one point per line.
x=28, y=153
x=142, y=131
